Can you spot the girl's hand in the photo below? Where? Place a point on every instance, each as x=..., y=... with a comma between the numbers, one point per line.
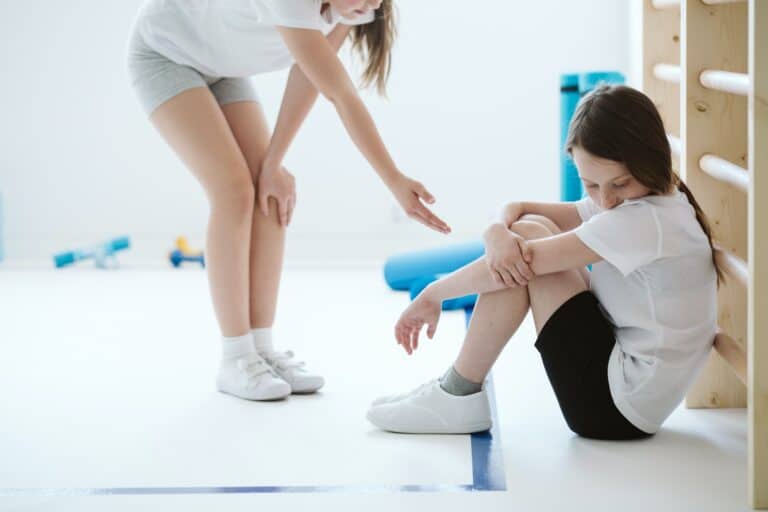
x=507, y=255
x=278, y=183
x=423, y=310
x=409, y=193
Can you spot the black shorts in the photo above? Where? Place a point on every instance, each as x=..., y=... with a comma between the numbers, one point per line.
x=575, y=345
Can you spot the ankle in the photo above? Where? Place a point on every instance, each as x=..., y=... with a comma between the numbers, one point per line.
x=455, y=384
x=262, y=340
x=235, y=347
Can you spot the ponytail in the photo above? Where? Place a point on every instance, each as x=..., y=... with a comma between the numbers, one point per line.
x=373, y=42
x=717, y=253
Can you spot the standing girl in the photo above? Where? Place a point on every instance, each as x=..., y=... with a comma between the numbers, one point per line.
x=189, y=61
x=621, y=344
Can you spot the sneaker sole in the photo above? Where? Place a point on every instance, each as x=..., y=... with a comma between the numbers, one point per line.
x=256, y=398
x=309, y=391
x=469, y=428
x=465, y=429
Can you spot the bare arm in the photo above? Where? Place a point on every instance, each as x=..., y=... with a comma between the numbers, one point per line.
x=317, y=59
x=300, y=95
x=565, y=215
x=547, y=255
x=560, y=252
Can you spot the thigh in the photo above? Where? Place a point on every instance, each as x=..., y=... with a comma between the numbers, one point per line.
x=549, y=291
x=249, y=126
x=555, y=229
x=194, y=125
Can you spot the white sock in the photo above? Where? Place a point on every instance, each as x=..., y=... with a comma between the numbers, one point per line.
x=236, y=347
x=262, y=340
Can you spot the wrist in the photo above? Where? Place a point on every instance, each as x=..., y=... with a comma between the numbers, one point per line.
x=271, y=163
x=432, y=293
x=390, y=177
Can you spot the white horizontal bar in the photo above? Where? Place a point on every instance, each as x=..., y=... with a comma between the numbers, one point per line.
x=726, y=81
x=667, y=72
x=735, y=267
x=725, y=171
x=715, y=2
x=665, y=4
x=675, y=145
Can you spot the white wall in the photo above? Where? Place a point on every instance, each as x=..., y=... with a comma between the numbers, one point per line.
x=473, y=112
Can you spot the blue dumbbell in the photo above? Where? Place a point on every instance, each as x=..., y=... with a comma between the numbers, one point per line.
x=177, y=257
x=102, y=254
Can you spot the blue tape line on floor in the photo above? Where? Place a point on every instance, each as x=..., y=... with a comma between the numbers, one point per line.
x=487, y=473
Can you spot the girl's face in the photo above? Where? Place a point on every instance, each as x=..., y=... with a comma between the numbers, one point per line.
x=608, y=183
x=354, y=8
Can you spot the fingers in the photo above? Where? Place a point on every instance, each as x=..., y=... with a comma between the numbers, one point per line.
x=518, y=278
x=264, y=202
x=282, y=212
x=423, y=193
x=291, y=207
x=429, y=219
x=431, y=328
x=403, y=335
x=527, y=252
x=525, y=271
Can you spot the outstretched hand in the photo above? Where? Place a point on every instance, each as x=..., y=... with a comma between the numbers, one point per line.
x=410, y=194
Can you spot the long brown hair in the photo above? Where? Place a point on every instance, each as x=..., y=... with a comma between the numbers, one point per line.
x=373, y=42
x=622, y=124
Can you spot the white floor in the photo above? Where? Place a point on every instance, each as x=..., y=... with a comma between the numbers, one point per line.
x=106, y=380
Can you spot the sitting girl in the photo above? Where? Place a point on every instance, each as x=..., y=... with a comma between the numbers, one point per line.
x=620, y=344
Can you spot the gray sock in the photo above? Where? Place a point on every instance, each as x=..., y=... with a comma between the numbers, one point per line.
x=455, y=384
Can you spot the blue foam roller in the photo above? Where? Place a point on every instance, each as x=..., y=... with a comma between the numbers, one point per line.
x=400, y=271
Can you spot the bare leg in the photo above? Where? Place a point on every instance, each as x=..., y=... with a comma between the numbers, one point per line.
x=267, y=237
x=498, y=314
x=194, y=126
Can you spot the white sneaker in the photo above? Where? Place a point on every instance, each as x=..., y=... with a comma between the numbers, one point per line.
x=431, y=410
x=294, y=372
x=388, y=399
x=250, y=377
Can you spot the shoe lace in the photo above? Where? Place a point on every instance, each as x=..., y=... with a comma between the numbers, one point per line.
x=426, y=386
x=420, y=390
x=285, y=361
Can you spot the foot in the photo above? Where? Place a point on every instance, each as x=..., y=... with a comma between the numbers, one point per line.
x=431, y=410
x=294, y=372
x=251, y=378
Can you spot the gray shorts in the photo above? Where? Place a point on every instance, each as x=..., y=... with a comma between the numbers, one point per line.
x=156, y=79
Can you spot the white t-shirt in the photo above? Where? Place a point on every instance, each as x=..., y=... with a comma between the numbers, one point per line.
x=658, y=286
x=231, y=38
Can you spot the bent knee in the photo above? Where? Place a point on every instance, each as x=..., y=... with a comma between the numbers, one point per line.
x=235, y=196
x=531, y=230
x=544, y=221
